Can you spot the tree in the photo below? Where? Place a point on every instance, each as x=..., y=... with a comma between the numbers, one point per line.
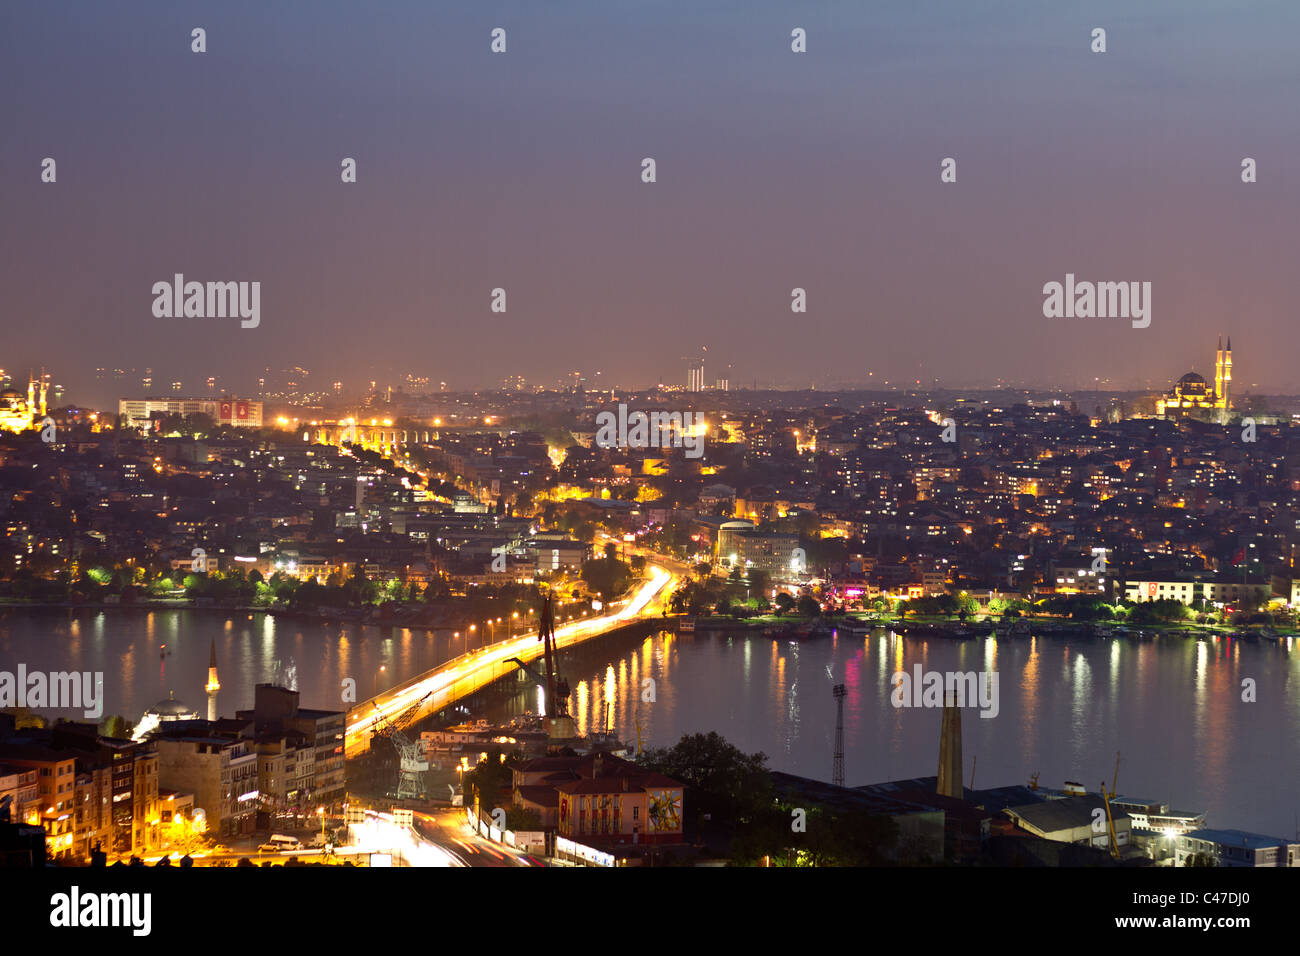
x=723, y=781
x=487, y=782
x=784, y=603
x=608, y=576
x=808, y=606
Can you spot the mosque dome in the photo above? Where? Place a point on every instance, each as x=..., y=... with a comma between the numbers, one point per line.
x=172, y=709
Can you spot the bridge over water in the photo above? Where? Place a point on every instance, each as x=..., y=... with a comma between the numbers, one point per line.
x=462, y=676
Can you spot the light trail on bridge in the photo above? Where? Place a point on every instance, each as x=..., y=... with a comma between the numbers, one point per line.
x=469, y=672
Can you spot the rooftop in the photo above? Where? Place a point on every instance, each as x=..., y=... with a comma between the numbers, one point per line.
x=1069, y=813
x=1254, y=841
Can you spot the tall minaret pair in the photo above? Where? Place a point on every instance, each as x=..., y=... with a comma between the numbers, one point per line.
x=1223, y=379
x=37, y=392
x=213, y=684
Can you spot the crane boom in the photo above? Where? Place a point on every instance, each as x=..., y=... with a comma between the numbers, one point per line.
x=1107, y=796
x=545, y=632
x=411, y=762
x=560, y=726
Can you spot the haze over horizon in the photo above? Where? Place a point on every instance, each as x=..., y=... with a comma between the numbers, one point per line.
x=775, y=170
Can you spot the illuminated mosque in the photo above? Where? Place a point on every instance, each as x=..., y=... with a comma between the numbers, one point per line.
x=1194, y=397
x=19, y=414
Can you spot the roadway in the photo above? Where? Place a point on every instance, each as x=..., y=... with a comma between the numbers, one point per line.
x=440, y=839
x=475, y=669
x=450, y=830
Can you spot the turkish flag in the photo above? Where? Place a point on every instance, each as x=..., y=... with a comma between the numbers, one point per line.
x=1239, y=557
x=241, y=411
x=225, y=411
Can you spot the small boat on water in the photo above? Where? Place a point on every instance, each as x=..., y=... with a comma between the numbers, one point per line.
x=800, y=632
x=1013, y=629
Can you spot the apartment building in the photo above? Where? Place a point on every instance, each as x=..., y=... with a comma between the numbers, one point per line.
x=220, y=770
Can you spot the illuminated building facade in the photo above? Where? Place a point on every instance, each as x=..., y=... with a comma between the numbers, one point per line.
x=600, y=799
x=19, y=414
x=239, y=412
x=1193, y=396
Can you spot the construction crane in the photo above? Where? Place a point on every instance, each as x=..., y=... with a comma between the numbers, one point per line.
x=411, y=762
x=1108, y=797
x=539, y=678
x=559, y=725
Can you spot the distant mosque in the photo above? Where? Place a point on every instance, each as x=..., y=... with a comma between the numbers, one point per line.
x=1193, y=397
x=19, y=414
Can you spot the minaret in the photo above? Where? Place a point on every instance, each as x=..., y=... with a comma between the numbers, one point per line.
x=1227, y=380
x=950, y=750
x=214, y=685
x=1218, y=372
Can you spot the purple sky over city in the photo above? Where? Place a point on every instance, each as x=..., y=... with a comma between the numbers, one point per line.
x=775, y=170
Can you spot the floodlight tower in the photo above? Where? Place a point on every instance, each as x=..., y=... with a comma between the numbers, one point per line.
x=837, y=769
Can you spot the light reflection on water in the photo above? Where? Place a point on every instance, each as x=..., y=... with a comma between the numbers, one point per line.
x=145, y=655
x=1173, y=706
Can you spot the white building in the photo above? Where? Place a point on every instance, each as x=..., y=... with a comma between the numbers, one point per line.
x=240, y=412
x=1212, y=591
x=1073, y=819
x=1237, y=848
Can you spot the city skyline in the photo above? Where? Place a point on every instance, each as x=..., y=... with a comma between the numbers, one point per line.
x=775, y=171
x=290, y=387
x=628, y=435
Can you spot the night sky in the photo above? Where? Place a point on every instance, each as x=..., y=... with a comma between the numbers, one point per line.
x=775, y=170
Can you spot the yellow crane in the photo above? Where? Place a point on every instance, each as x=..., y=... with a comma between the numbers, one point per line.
x=1108, y=797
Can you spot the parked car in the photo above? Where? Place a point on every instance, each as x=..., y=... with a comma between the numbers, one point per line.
x=281, y=844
